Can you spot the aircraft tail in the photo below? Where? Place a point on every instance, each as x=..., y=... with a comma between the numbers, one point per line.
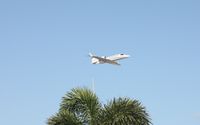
x=91, y=55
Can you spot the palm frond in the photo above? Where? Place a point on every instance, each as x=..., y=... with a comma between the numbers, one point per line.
x=124, y=111
x=83, y=102
x=81, y=106
x=64, y=117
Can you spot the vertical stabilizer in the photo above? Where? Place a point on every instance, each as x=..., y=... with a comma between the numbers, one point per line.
x=91, y=55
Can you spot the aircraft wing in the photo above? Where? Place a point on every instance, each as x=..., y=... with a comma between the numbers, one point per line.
x=106, y=60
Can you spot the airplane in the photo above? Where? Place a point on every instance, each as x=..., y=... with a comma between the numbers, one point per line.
x=110, y=59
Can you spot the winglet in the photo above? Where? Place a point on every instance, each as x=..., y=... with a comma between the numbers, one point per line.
x=117, y=64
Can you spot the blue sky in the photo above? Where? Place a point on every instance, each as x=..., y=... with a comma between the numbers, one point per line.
x=44, y=47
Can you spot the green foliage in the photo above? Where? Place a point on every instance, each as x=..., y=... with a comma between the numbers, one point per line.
x=64, y=117
x=81, y=106
x=124, y=111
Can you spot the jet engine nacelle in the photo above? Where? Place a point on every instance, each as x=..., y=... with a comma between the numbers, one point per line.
x=94, y=61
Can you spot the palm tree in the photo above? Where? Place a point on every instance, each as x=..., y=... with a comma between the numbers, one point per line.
x=81, y=106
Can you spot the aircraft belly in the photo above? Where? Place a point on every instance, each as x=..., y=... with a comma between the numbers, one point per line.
x=101, y=62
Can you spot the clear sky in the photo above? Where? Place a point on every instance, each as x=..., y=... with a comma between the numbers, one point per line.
x=44, y=46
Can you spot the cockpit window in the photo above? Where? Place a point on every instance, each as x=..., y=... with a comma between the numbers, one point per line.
x=121, y=54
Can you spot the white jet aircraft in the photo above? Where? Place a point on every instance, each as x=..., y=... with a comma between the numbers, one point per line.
x=110, y=59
